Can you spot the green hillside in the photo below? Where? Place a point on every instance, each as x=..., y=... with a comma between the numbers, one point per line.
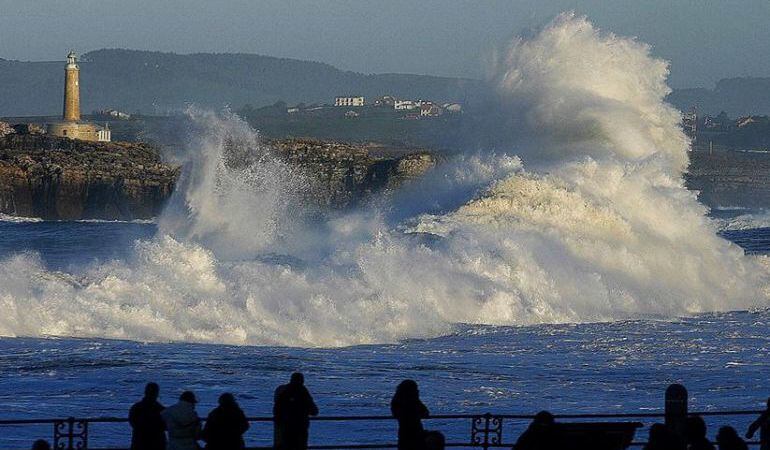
x=155, y=82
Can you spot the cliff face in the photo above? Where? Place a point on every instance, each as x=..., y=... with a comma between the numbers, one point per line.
x=61, y=179
x=348, y=174
x=730, y=178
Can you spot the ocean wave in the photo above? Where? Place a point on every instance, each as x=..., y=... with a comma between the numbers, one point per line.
x=592, y=223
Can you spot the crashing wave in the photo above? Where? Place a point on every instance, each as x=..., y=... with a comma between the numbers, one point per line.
x=591, y=223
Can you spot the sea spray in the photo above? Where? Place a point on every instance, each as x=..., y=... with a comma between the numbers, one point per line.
x=592, y=223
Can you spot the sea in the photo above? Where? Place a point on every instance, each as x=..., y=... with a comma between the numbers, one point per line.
x=614, y=367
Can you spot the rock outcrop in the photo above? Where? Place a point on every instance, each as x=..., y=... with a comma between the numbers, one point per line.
x=730, y=178
x=61, y=179
x=348, y=174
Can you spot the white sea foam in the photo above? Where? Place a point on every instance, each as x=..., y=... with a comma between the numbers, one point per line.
x=18, y=219
x=593, y=223
x=748, y=221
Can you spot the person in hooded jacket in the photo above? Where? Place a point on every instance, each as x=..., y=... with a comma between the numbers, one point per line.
x=148, y=431
x=182, y=423
x=409, y=410
x=225, y=425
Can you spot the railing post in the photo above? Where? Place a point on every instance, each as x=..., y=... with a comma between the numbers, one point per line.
x=486, y=431
x=676, y=412
x=70, y=434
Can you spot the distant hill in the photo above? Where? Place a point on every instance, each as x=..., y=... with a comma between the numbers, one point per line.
x=156, y=82
x=735, y=96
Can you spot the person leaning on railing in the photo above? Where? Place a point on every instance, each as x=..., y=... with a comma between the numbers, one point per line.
x=291, y=411
x=148, y=431
x=225, y=425
x=763, y=425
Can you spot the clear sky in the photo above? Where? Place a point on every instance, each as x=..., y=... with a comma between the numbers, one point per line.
x=704, y=40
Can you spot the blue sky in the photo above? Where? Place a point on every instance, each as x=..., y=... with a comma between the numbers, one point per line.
x=704, y=40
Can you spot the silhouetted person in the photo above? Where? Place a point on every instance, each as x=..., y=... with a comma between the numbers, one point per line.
x=728, y=439
x=409, y=411
x=148, y=431
x=225, y=425
x=696, y=434
x=182, y=423
x=291, y=411
x=542, y=434
x=435, y=440
x=763, y=425
x=660, y=439
x=41, y=444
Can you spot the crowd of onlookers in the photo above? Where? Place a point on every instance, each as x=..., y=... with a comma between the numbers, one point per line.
x=178, y=427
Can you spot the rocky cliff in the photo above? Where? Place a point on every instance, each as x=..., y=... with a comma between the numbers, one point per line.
x=730, y=178
x=62, y=179
x=348, y=174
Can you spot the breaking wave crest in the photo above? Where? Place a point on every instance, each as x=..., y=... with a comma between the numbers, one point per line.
x=591, y=223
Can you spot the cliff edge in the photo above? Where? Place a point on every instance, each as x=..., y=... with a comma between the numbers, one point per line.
x=62, y=179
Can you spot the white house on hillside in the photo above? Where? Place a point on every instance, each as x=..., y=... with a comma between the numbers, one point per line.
x=404, y=105
x=349, y=101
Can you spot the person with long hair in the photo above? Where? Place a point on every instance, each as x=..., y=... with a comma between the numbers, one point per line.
x=409, y=410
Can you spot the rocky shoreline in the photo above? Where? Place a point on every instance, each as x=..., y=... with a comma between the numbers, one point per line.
x=62, y=179
x=726, y=179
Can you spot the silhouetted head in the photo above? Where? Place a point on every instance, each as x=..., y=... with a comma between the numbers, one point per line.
x=696, y=428
x=152, y=391
x=408, y=389
x=227, y=400
x=189, y=397
x=658, y=433
x=542, y=422
x=41, y=444
x=297, y=379
x=435, y=440
x=544, y=418
x=727, y=435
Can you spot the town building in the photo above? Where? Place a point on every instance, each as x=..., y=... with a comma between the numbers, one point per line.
x=690, y=123
x=114, y=113
x=349, y=101
x=405, y=105
x=71, y=126
x=429, y=109
x=6, y=129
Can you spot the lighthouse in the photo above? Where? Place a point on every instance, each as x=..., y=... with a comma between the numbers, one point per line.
x=71, y=89
x=71, y=126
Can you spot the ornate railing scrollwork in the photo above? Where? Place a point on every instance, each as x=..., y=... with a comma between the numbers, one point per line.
x=70, y=434
x=486, y=430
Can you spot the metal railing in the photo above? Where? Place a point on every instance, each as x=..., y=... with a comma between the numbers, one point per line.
x=485, y=430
